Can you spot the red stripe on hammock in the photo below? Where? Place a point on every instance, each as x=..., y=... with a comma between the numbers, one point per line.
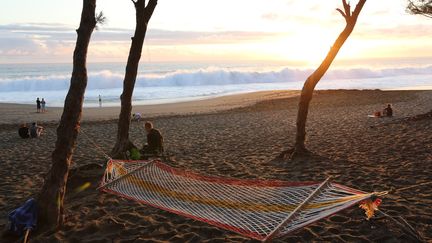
x=222, y=180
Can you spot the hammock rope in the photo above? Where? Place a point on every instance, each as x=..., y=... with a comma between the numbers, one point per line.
x=259, y=209
x=96, y=146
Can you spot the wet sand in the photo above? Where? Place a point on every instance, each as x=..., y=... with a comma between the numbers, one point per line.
x=17, y=113
x=242, y=142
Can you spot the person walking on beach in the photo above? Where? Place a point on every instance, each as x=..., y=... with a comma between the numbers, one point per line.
x=35, y=130
x=100, y=101
x=38, y=105
x=388, y=111
x=154, y=144
x=43, y=105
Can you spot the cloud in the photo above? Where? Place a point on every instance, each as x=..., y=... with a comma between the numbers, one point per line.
x=10, y=43
x=66, y=33
x=40, y=42
x=51, y=41
x=398, y=31
x=271, y=16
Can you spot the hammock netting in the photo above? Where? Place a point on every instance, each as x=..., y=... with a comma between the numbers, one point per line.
x=259, y=209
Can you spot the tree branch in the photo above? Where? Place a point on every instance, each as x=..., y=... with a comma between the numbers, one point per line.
x=351, y=17
x=347, y=8
x=342, y=13
x=149, y=9
x=358, y=8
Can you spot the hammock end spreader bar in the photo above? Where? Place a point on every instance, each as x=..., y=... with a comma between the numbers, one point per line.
x=277, y=230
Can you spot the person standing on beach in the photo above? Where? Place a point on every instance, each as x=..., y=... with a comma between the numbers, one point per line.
x=38, y=105
x=100, y=101
x=43, y=105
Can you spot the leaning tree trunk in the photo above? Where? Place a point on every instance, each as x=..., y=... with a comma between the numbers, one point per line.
x=143, y=15
x=50, y=199
x=312, y=80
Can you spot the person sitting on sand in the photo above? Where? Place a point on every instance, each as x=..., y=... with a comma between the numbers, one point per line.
x=23, y=131
x=35, y=130
x=136, y=116
x=388, y=111
x=154, y=140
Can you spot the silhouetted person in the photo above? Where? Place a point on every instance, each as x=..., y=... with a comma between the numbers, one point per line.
x=388, y=111
x=43, y=105
x=38, y=105
x=35, y=130
x=23, y=131
x=154, y=144
x=100, y=101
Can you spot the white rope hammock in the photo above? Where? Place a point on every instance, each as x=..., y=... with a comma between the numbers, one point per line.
x=258, y=209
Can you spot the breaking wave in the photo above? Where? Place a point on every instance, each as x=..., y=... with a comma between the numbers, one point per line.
x=107, y=79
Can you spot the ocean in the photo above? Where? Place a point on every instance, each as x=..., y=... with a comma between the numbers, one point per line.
x=159, y=83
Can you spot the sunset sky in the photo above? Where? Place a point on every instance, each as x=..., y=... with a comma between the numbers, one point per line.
x=289, y=31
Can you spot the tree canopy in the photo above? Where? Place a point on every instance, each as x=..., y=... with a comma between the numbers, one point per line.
x=422, y=7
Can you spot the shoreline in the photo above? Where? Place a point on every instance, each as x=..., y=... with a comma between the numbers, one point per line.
x=14, y=113
x=23, y=113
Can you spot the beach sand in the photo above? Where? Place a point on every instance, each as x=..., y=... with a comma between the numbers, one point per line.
x=17, y=113
x=238, y=138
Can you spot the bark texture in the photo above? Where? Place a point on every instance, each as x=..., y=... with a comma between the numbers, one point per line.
x=315, y=77
x=143, y=15
x=51, y=197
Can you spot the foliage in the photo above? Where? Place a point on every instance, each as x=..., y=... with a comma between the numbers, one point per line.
x=422, y=7
x=100, y=20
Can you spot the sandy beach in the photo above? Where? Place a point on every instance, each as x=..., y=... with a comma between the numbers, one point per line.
x=16, y=113
x=238, y=136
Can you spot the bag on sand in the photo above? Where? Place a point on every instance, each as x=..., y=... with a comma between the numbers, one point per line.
x=23, y=218
x=134, y=154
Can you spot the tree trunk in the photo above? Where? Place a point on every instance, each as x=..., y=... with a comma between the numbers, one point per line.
x=143, y=15
x=312, y=80
x=51, y=197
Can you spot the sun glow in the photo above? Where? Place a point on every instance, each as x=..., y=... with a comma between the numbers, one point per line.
x=309, y=48
x=288, y=31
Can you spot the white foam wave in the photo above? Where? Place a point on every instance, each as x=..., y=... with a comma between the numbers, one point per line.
x=107, y=79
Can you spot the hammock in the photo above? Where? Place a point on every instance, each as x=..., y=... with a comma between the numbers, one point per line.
x=259, y=209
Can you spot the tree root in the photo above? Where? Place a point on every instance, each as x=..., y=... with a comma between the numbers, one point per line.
x=120, y=150
x=294, y=153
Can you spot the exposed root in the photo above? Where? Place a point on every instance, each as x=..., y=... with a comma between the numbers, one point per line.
x=294, y=153
x=119, y=151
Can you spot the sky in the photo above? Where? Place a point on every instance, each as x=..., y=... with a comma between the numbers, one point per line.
x=292, y=32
